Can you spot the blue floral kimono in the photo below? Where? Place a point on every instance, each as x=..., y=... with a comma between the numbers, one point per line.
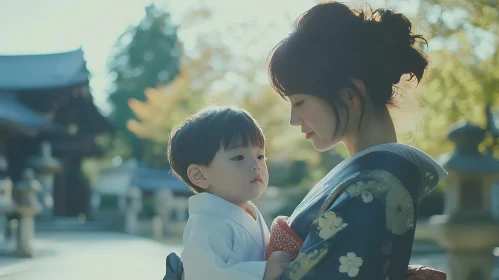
x=359, y=221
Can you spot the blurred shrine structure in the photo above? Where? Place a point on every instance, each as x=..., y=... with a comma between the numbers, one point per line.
x=48, y=124
x=469, y=226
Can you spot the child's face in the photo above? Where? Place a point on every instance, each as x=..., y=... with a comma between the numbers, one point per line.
x=238, y=175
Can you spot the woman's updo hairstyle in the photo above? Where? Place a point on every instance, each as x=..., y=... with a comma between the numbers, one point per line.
x=332, y=43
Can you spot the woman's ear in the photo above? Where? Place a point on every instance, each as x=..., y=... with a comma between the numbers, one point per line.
x=195, y=174
x=350, y=96
x=354, y=96
x=361, y=87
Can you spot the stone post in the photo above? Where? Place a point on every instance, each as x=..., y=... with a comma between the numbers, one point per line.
x=27, y=207
x=6, y=203
x=45, y=167
x=95, y=202
x=495, y=201
x=467, y=229
x=133, y=209
x=164, y=205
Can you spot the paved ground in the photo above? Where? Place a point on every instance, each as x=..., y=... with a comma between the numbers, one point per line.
x=108, y=255
x=438, y=261
x=90, y=256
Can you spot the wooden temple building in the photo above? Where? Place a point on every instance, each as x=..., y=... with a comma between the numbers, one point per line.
x=46, y=99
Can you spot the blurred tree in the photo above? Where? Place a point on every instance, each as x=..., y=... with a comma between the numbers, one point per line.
x=146, y=56
x=465, y=74
x=213, y=74
x=167, y=106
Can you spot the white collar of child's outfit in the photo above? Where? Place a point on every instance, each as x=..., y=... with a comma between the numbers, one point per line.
x=214, y=203
x=207, y=203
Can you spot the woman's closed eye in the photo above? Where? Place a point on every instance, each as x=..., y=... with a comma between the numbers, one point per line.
x=238, y=158
x=297, y=104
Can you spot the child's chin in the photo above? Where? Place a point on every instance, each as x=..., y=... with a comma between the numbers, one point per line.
x=259, y=193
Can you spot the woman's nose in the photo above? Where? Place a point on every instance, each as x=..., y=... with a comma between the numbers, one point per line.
x=294, y=118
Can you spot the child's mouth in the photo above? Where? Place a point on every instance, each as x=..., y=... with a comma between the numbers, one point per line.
x=257, y=180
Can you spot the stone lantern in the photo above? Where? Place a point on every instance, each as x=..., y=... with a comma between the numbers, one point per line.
x=27, y=207
x=132, y=210
x=467, y=229
x=6, y=203
x=164, y=204
x=45, y=167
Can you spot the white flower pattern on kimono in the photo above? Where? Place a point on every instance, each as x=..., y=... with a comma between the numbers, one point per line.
x=384, y=186
x=367, y=196
x=305, y=262
x=366, y=190
x=350, y=264
x=399, y=210
x=329, y=225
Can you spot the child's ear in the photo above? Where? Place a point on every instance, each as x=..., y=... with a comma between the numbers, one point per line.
x=195, y=174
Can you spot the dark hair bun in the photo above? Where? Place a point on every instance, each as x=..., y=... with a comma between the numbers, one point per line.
x=393, y=42
x=333, y=43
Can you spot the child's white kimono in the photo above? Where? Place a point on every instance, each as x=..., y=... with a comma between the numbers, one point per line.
x=222, y=241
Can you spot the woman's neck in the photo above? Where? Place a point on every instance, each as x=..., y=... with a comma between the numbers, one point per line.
x=375, y=130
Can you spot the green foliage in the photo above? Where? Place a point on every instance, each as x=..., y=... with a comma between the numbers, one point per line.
x=146, y=56
x=297, y=171
x=432, y=203
x=291, y=203
x=465, y=74
x=109, y=202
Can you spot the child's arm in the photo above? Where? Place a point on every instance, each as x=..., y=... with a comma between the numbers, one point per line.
x=208, y=252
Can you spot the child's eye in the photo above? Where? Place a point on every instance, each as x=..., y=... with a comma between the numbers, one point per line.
x=261, y=157
x=238, y=158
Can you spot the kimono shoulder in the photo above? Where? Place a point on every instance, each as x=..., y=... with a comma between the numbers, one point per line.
x=361, y=222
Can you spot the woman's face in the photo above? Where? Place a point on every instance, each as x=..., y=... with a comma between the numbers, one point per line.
x=316, y=119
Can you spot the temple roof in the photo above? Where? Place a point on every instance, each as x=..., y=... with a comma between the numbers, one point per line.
x=12, y=111
x=149, y=179
x=119, y=179
x=42, y=71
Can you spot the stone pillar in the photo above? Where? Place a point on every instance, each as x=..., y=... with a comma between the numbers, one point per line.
x=95, y=202
x=45, y=167
x=6, y=203
x=27, y=207
x=495, y=201
x=467, y=229
x=164, y=205
x=181, y=208
x=133, y=209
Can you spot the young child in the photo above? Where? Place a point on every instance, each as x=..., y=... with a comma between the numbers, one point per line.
x=220, y=154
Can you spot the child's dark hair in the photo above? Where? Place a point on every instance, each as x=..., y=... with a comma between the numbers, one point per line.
x=202, y=135
x=332, y=43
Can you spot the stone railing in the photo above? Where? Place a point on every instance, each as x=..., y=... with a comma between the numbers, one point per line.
x=21, y=201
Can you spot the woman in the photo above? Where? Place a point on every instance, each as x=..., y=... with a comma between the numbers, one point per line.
x=338, y=69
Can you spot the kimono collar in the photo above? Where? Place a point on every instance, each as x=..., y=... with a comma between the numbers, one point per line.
x=207, y=202
x=430, y=171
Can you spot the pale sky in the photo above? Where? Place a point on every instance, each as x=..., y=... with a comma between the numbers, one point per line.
x=48, y=26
